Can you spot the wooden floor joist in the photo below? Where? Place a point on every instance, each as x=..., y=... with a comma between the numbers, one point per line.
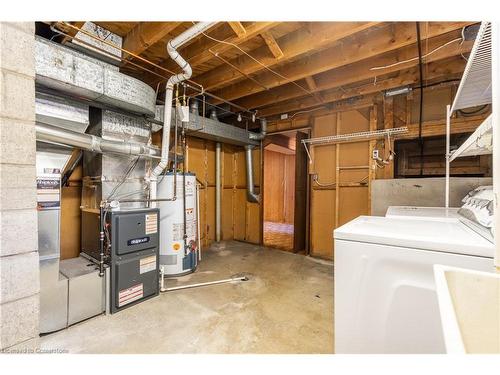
x=380, y=41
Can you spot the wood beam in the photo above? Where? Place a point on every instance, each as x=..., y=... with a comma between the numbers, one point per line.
x=434, y=128
x=311, y=84
x=438, y=70
x=251, y=31
x=359, y=71
x=238, y=29
x=145, y=34
x=304, y=40
x=380, y=41
x=272, y=45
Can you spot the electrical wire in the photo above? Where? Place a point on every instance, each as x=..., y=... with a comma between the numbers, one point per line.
x=307, y=111
x=258, y=62
x=131, y=167
x=321, y=184
x=418, y=57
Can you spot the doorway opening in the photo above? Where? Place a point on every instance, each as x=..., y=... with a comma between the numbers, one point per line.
x=285, y=192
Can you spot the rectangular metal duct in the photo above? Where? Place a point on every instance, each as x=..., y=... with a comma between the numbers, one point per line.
x=65, y=70
x=105, y=175
x=213, y=130
x=61, y=112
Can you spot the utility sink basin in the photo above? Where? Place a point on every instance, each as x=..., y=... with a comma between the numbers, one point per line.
x=469, y=305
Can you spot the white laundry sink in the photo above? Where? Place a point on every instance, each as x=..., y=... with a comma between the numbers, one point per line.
x=469, y=305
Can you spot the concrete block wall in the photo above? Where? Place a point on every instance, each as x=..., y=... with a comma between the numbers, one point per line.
x=19, y=263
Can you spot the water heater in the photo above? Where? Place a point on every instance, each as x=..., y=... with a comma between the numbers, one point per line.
x=178, y=224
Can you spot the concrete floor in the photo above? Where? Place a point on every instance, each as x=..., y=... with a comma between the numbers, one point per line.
x=285, y=307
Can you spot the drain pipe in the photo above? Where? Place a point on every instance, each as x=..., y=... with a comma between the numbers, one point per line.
x=54, y=134
x=172, y=46
x=251, y=195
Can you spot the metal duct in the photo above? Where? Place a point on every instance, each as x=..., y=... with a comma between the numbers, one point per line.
x=251, y=196
x=53, y=134
x=65, y=70
x=172, y=46
x=214, y=130
x=263, y=131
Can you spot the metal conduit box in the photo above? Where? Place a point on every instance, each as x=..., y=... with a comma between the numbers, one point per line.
x=135, y=237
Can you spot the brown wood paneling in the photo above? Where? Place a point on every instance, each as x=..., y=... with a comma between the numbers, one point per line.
x=70, y=216
x=352, y=200
x=70, y=222
x=274, y=182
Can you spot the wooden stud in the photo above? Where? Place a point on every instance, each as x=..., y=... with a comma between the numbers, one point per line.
x=238, y=29
x=337, y=173
x=389, y=124
x=371, y=147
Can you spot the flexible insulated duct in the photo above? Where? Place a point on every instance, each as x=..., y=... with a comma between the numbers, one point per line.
x=53, y=134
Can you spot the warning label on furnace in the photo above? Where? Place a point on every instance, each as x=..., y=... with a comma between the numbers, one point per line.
x=151, y=223
x=147, y=264
x=129, y=295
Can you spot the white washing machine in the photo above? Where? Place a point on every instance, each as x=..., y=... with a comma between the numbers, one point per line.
x=424, y=213
x=385, y=294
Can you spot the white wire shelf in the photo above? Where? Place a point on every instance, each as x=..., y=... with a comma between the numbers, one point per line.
x=352, y=137
x=479, y=143
x=475, y=86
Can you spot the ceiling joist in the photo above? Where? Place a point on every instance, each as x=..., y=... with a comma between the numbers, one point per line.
x=434, y=71
x=302, y=41
x=352, y=73
x=366, y=46
x=145, y=34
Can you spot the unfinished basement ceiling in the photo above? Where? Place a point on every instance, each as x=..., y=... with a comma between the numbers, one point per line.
x=286, y=67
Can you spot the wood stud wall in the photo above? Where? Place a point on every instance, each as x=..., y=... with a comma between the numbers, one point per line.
x=332, y=61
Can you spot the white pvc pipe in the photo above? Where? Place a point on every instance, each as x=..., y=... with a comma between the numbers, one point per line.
x=218, y=192
x=447, y=183
x=198, y=220
x=172, y=46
